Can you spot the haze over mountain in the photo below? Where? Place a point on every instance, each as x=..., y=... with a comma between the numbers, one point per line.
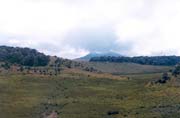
x=97, y=54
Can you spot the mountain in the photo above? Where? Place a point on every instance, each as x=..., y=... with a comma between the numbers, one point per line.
x=95, y=54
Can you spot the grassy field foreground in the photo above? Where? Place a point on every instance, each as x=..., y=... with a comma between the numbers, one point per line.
x=30, y=96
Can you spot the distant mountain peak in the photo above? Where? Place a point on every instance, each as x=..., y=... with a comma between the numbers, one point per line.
x=97, y=54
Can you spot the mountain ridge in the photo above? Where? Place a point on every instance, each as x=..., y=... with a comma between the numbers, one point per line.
x=97, y=54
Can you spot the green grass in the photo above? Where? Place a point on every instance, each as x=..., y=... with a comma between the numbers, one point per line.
x=27, y=96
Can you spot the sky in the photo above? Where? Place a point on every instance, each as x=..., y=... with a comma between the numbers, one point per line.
x=74, y=28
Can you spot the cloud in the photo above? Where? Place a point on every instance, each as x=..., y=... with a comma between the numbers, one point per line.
x=95, y=39
x=157, y=33
x=72, y=28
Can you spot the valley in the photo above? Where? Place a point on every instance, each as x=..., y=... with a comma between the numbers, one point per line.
x=72, y=89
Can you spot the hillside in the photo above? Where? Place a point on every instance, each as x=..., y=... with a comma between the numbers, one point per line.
x=30, y=61
x=23, y=56
x=127, y=68
x=144, y=60
x=32, y=58
x=53, y=65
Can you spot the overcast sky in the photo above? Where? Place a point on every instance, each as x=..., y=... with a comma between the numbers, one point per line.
x=73, y=28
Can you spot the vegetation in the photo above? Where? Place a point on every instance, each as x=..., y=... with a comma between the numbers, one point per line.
x=145, y=60
x=52, y=87
x=127, y=68
x=176, y=70
x=165, y=78
x=72, y=95
x=23, y=56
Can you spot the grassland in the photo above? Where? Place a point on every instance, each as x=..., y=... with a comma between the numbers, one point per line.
x=86, y=95
x=127, y=68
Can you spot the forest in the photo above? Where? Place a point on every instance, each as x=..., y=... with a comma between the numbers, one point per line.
x=23, y=56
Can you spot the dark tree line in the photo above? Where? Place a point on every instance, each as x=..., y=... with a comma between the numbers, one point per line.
x=23, y=56
x=145, y=60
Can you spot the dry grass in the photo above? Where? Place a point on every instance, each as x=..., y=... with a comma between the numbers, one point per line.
x=93, y=75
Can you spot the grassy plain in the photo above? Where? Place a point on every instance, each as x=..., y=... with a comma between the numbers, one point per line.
x=127, y=68
x=87, y=95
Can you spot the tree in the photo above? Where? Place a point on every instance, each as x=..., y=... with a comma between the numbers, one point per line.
x=176, y=70
x=165, y=76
